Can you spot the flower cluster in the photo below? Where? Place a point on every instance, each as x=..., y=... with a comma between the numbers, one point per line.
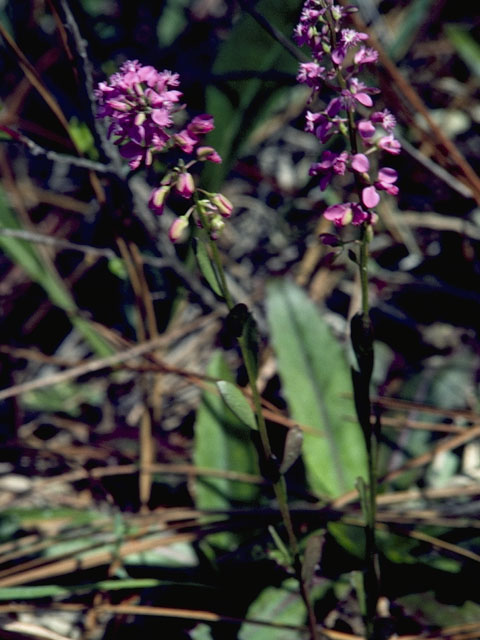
x=339, y=55
x=140, y=103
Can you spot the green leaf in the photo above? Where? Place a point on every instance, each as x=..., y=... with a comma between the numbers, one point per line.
x=466, y=46
x=222, y=442
x=414, y=16
x=27, y=256
x=429, y=611
x=206, y=267
x=236, y=401
x=240, y=100
x=82, y=137
x=53, y=590
x=172, y=22
x=317, y=385
x=201, y=632
x=276, y=605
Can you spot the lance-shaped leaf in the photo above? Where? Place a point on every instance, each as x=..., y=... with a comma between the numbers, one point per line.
x=206, y=267
x=222, y=442
x=237, y=403
x=317, y=385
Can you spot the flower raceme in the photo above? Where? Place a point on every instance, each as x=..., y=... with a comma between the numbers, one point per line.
x=339, y=54
x=141, y=104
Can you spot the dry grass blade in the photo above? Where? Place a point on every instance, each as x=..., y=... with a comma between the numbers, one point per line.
x=94, y=559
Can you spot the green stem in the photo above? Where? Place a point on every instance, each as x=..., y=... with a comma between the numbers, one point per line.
x=371, y=576
x=279, y=485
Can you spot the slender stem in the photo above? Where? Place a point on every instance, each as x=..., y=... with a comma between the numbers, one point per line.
x=371, y=574
x=279, y=485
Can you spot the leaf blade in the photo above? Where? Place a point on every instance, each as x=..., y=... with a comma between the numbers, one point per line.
x=316, y=381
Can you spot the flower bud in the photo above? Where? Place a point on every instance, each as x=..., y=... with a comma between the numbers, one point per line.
x=200, y=125
x=223, y=204
x=157, y=199
x=216, y=224
x=177, y=230
x=208, y=153
x=185, y=185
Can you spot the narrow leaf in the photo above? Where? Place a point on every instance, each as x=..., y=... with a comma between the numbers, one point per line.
x=205, y=265
x=222, y=442
x=275, y=605
x=237, y=403
x=311, y=557
x=293, y=449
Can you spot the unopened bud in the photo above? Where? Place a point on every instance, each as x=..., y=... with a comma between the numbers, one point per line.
x=208, y=153
x=223, y=204
x=185, y=185
x=177, y=230
x=216, y=223
x=157, y=199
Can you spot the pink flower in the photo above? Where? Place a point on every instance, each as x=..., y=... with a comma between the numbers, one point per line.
x=390, y=144
x=343, y=214
x=185, y=140
x=385, y=119
x=140, y=103
x=310, y=73
x=200, y=125
x=365, y=55
x=366, y=129
x=348, y=38
x=386, y=180
x=358, y=91
x=330, y=165
x=370, y=197
x=360, y=163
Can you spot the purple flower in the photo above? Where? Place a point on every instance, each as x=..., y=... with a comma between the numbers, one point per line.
x=390, y=144
x=330, y=165
x=360, y=163
x=320, y=27
x=200, y=125
x=385, y=119
x=141, y=103
x=344, y=214
x=386, y=180
x=370, y=197
x=366, y=129
x=310, y=73
x=358, y=91
x=185, y=140
x=348, y=38
x=365, y=55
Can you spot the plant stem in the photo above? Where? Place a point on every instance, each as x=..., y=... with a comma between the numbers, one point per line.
x=279, y=484
x=371, y=575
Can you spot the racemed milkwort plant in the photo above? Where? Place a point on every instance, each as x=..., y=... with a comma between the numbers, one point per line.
x=359, y=136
